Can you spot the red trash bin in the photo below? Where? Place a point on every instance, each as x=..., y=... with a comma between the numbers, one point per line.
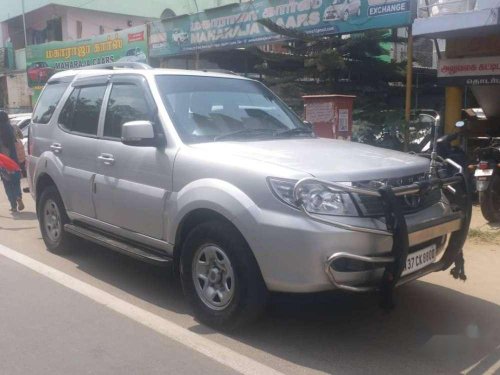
x=330, y=115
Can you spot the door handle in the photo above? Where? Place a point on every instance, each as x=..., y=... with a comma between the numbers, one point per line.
x=107, y=159
x=56, y=148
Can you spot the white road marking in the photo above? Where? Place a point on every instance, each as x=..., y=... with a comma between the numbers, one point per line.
x=209, y=348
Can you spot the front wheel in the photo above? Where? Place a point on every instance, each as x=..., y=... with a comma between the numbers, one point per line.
x=490, y=200
x=220, y=276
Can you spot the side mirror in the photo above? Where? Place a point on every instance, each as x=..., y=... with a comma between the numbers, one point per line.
x=308, y=124
x=138, y=133
x=460, y=124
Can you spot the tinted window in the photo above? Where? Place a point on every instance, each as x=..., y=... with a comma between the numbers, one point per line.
x=48, y=102
x=66, y=116
x=81, y=110
x=126, y=103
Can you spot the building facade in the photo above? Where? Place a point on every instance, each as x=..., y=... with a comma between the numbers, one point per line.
x=470, y=60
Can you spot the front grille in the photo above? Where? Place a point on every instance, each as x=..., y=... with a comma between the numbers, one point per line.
x=372, y=206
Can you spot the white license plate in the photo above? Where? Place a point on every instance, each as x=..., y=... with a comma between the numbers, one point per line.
x=419, y=259
x=483, y=172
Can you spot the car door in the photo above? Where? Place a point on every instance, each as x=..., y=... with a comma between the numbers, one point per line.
x=132, y=183
x=76, y=145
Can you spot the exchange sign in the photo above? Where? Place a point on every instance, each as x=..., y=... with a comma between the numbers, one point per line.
x=238, y=24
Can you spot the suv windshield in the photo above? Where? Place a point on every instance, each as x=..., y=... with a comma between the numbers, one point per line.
x=218, y=109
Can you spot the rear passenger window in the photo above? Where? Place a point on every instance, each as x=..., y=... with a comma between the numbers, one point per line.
x=126, y=103
x=48, y=102
x=81, y=111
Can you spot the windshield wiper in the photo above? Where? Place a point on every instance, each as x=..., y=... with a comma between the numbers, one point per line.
x=294, y=131
x=242, y=132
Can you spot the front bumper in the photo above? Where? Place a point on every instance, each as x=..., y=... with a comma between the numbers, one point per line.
x=370, y=271
x=433, y=231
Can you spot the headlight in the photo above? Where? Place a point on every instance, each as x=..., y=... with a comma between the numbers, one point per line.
x=315, y=197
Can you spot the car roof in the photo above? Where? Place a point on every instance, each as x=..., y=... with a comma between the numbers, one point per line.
x=82, y=73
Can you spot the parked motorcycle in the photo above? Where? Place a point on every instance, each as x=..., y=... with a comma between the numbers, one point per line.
x=487, y=175
x=446, y=150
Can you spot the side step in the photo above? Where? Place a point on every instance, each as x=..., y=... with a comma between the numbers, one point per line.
x=117, y=245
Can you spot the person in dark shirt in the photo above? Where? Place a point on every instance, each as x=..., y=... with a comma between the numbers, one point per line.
x=11, y=181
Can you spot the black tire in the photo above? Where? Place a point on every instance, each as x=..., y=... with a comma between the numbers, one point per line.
x=63, y=242
x=250, y=294
x=490, y=200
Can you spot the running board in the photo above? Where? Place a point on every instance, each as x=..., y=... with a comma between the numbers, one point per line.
x=118, y=245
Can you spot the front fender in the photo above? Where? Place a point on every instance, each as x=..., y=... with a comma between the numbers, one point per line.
x=216, y=195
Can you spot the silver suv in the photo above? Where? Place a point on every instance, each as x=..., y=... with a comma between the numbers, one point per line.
x=214, y=174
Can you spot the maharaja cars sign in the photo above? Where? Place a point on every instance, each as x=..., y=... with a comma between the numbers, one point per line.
x=43, y=60
x=474, y=71
x=238, y=25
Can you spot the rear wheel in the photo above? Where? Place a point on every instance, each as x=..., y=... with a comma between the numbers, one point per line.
x=490, y=200
x=52, y=217
x=220, y=276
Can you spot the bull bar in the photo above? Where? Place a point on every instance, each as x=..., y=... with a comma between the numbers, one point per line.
x=456, y=223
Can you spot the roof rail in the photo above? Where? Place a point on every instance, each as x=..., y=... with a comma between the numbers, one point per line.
x=118, y=65
x=225, y=71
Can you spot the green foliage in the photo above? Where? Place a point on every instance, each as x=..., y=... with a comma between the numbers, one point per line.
x=343, y=65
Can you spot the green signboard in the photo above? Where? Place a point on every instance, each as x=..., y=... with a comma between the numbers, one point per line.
x=238, y=24
x=43, y=60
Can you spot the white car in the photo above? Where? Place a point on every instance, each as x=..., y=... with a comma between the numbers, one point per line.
x=342, y=9
x=180, y=36
x=134, y=55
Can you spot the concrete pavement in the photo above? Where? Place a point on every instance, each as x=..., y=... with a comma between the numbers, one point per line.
x=439, y=326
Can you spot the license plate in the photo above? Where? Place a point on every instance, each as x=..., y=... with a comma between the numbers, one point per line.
x=419, y=259
x=483, y=172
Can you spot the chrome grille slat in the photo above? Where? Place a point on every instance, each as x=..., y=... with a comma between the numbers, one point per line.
x=372, y=206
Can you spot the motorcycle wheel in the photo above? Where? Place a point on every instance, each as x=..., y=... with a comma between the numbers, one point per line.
x=490, y=200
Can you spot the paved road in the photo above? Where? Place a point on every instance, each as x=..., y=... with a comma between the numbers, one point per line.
x=439, y=326
x=49, y=329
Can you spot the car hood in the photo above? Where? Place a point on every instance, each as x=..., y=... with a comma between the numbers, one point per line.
x=328, y=159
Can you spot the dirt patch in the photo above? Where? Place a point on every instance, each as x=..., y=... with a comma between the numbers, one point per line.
x=489, y=236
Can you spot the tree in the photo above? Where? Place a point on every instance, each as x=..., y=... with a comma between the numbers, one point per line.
x=352, y=64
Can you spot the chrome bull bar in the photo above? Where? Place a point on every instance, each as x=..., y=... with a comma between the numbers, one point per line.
x=457, y=224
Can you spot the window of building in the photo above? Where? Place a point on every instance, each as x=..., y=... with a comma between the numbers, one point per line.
x=79, y=29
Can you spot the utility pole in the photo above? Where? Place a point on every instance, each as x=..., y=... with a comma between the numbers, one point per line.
x=24, y=26
x=409, y=82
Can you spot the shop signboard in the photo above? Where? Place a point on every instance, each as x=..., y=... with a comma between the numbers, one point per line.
x=471, y=71
x=43, y=60
x=238, y=25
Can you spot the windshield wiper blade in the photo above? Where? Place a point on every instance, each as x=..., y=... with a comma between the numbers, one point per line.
x=294, y=131
x=243, y=132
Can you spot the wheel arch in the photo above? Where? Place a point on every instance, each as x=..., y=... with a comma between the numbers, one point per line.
x=42, y=182
x=194, y=218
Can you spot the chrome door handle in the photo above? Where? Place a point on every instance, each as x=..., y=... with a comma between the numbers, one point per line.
x=56, y=148
x=107, y=159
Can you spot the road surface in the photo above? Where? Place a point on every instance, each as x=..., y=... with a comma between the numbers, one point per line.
x=126, y=317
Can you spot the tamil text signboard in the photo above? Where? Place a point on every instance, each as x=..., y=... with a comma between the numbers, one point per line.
x=43, y=60
x=238, y=25
x=473, y=71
